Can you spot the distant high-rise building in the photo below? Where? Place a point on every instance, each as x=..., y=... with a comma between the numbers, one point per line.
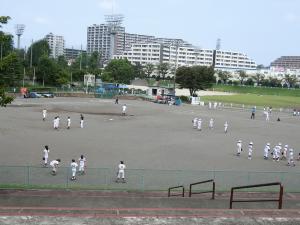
x=71, y=54
x=99, y=39
x=287, y=62
x=56, y=44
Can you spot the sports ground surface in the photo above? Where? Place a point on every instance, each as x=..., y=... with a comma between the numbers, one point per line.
x=154, y=137
x=151, y=136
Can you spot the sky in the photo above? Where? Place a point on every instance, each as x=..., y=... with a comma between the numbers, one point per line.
x=263, y=29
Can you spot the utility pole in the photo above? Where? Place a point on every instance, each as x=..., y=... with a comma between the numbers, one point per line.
x=24, y=70
x=176, y=64
x=80, y=57
x=31, y=53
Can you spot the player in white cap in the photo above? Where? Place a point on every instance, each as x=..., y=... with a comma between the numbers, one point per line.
x=74, y=166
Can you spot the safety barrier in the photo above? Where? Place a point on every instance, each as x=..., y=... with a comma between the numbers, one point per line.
x=202, y=192
x=279, y=200
x=171, y=188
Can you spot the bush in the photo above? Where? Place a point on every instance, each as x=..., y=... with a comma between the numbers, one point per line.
x=184, y=98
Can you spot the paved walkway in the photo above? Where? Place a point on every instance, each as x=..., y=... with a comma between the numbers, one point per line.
x=78, y=207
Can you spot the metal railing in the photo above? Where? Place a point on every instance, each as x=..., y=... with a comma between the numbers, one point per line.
x=202, y=192
x=143, y=179
x=279, y=200
x=172, y=188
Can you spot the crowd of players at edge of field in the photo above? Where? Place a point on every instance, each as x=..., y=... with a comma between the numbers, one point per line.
x=278, y=152
x=54, y=164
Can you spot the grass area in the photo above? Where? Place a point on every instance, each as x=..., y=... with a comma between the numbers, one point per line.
x=257, y=90
x=258, y=100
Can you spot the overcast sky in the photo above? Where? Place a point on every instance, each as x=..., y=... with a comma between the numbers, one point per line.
x=263, y=29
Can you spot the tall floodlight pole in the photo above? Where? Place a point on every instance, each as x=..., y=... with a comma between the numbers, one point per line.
x=19, y=28
x=113, y=21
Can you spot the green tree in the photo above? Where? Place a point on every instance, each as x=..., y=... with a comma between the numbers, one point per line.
x=39, y=49
x=290, y=80
x=120, y=70
x=258, y=77
x=242, y=76
x=149, y=68
x=224, y=76
x=47, y=71
x=162, y=69
x=93, y=61
x=4, y=99
x=195, y=78
x=139, y=70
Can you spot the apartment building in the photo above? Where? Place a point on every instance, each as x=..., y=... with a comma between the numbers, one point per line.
x=56, y=44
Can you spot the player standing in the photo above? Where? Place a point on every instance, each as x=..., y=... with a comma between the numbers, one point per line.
x=82, y=164
x=239, y=148
x=68, y=122
x=250, y=150
x=81, y=120
x=44, y=114
x=124, y=107
x=225, y=127
x=74, y=166
x=46, y=155
x=121, y=172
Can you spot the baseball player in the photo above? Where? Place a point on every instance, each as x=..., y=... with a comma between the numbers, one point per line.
x=195, y=120
x=211, y=123
x=225, y=127
x=124, y=107
x=44, y=114
x=239, y=148
x=82, y=164
x=46, y=155
x=54, y=164
x=81, y=120
x=291, y=158
x=266, y=151
x=68, y=122
x=121, y=172
x=55, y=123
x=74, y=166
x=199, y=124
x=284, y=152
x=250, y=150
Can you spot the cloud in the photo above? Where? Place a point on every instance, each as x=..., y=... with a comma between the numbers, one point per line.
x=107, y=5
x=292, y=17
x=41, y=20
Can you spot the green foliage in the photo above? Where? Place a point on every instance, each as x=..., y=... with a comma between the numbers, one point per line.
x=10, y=69
x=4, y=99
x=39, y=49
x=185, y=99
x=149, y=68
x=195, y=78
x=242, y=76
x=258, y=100
x=258, y=90
x=224, y=76
x=162, y=69
x=4, y=20
x=120, y=71
x=139, y=71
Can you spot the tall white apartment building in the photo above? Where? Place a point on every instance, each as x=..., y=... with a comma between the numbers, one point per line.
x=229, y=60
x=56, y=44
x=186, y=55
x=100, y=39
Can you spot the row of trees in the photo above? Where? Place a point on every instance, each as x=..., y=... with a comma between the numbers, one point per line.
x=288, y=80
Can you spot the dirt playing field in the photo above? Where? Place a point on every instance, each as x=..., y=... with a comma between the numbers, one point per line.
x=151, y=136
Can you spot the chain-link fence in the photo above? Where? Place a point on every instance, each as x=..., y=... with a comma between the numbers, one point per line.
x=141, y=180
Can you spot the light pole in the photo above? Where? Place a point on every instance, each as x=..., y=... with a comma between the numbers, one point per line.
x=19, y=31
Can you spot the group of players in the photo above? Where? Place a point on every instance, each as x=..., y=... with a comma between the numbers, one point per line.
x=197, y=124
x=278, y=152
x=54, y=164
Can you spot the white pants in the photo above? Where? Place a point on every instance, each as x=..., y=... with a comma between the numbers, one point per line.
x=81, y=123
x=45, y=160
x=81, y=168
x=121, y=174
x=73, y=172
